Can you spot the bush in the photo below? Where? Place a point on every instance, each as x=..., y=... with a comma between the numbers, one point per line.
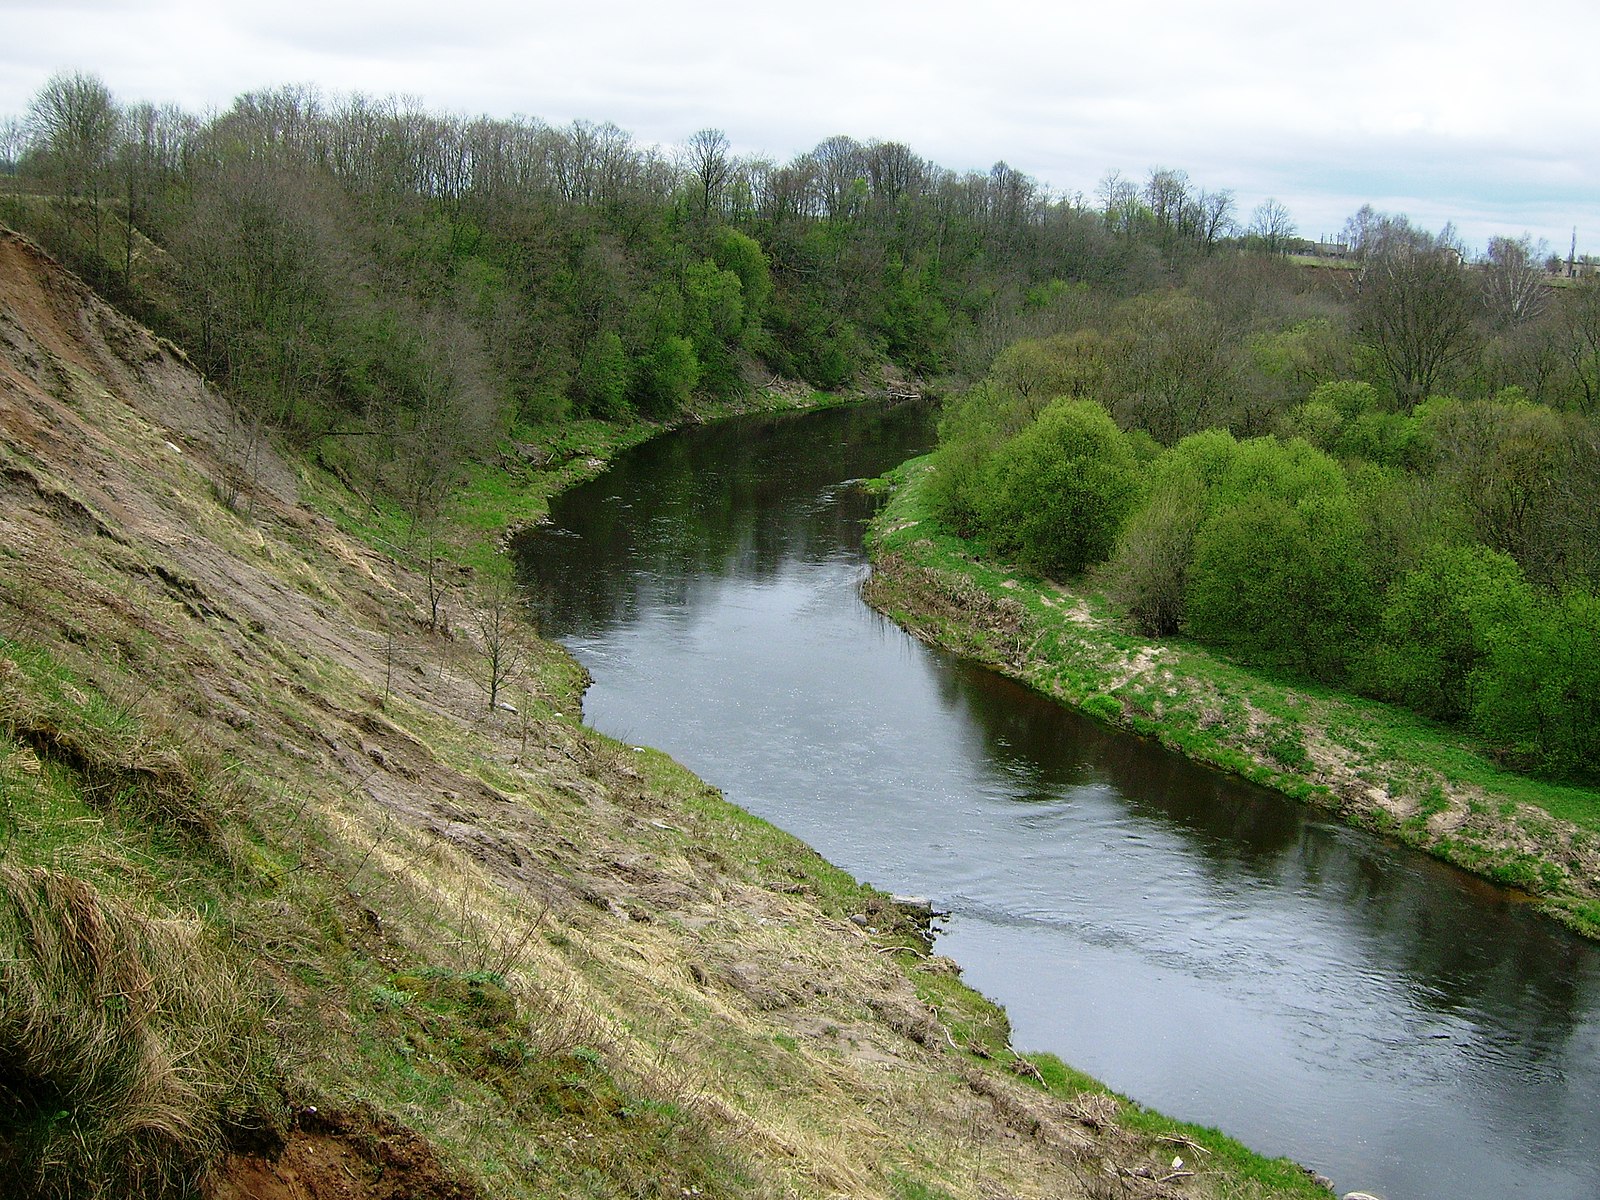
x=1149, y=573
x=1280, y=573
x=1537, y=693
x=1056, y=495
x=128, y=1050
x=1437, y=624
x=669, y=377
x=601, y=387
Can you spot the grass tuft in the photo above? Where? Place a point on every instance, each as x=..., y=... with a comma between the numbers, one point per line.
x=129, y=1051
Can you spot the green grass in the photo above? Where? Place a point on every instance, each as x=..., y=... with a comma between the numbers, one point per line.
x=135, y=1047
x=1218, y=1152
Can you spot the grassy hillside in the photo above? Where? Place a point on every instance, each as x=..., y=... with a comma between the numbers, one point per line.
x=286, y=908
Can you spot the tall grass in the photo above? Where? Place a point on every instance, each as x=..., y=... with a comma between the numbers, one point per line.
x=128, y=1048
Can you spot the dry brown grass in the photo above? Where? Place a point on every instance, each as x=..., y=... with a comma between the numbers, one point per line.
x=127, y=1045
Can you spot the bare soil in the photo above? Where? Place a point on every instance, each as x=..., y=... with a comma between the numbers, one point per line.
x=342, y=1156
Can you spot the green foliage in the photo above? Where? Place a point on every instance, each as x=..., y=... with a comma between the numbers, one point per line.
x=743, y=256
x=668, y=377
x=1350, y=398
x=1280, y=575
x=715, y=318
x=1055, y=496
x=1103, y=708
x=1171, y=367
x=1437, y=626
x=1282, y=583
x=1070, y=365
x=1389, y=439
x=1149, y=573
x=1508, y=465
x=1316, y=422
x=604, y=377
x=1538, y=692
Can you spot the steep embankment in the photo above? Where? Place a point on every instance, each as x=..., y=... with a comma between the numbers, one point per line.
x=286, y=910
x=1377, y=766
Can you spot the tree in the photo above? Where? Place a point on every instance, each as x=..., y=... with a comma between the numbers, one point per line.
x=1538, y=694
x=669, y=377
x=1414, y=306
x=839, y=162
x=714, y=318
x=1056, y=494
x=601, y=387
x=1214, y=218
x=1119, y=202
x=1043, y=369
x=500, y=648
x=1271, y=226
x=72, y=126
x=1513, y=281
x=256, y=252
x=1280, y=573
x=705, y=156
x=1283, y=583
x=1578, y=322
x=1171, y=365
x=1504, y=461
x=1438, y=623
x=1166, y=193
x=1149, y=572
x=13, y=141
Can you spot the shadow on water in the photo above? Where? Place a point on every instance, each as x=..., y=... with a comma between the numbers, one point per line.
x=718, y=499
x=1462, y=945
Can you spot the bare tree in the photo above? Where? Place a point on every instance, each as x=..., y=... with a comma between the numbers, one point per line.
x=1214, y=218
x=72, y=125
x=500, y=647
x=1271, y=226
x=705, y=156
x=1514, y=287
x=1119, y=202
x=1166, y=192
x=840, y=161
x=1579, y=325
x=437, y=586
x=13, y=141
x=1414, y=304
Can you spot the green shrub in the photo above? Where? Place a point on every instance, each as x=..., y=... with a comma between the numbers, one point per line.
x=1055, y=496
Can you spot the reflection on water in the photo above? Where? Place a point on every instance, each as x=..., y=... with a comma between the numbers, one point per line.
x=1211, y=949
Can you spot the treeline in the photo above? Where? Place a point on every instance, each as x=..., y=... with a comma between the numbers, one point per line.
x=1270, y=467
x=400, y=287
x=363, y=268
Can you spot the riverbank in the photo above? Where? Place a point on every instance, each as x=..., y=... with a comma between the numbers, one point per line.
x=288, y=905
x=1377, y=767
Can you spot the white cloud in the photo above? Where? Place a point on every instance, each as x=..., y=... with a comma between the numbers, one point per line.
x=1474, y=115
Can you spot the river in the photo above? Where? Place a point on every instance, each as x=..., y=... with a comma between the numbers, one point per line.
x=1209, y=948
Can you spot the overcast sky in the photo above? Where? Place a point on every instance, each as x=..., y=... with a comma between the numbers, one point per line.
x=1487, y=115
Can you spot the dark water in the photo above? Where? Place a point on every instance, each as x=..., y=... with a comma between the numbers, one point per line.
x=1206, y=947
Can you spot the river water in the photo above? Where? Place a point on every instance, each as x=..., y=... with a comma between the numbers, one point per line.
x=1206, y=947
